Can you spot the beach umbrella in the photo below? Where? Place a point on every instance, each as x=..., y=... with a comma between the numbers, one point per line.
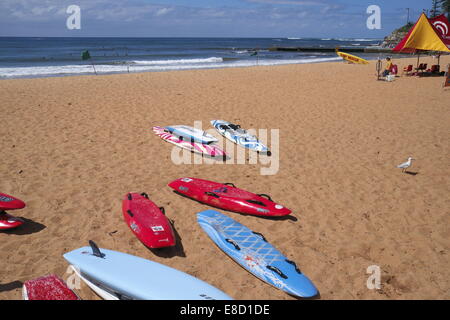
x=423, y=36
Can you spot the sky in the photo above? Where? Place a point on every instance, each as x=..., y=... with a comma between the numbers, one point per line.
x=205, y=18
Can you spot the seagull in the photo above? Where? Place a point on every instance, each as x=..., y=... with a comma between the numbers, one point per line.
x=406, y=165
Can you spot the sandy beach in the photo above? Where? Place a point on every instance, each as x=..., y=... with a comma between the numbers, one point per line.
x=72, y=147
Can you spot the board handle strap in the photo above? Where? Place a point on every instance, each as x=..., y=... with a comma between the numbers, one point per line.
x=229, y=184
x=265, y=196
x=233, y=243
x=212, y=194
x=277, y=271
x=260, y=234
x=295, y=265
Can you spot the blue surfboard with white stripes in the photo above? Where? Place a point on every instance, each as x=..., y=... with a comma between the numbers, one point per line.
x=252, y=251
x=239, y=136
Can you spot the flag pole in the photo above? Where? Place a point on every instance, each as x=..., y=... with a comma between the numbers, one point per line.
x=418, y=56
x=379, y=65
x=93, y=66
x=255, y=53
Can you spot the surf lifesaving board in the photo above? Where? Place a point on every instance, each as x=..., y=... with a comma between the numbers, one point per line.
x=8, y=202
x=49, y=287
x=129, y=277
x=252, y=251
x=147, y=221
x=351, y=58
x=7, y=221
x=210, y=150
x=239, y=136
x=191, y=134
x=226, y=196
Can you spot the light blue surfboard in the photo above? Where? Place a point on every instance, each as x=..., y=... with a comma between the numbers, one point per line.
x=252, y=251
x=129, y=277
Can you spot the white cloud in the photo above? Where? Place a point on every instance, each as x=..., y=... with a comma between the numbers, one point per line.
x=137, y=17
x=163, y=11
x=289, y=2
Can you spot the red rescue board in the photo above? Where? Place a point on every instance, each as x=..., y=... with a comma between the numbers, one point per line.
x=228, y=197
x=8, y=202
x=7, y=221
x=147, y=221
x=50, y=287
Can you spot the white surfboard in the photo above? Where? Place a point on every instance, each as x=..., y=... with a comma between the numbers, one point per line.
x=116, y=275
x=191, y=134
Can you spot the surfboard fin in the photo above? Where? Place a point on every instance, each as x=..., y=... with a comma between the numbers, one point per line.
x=95, y=250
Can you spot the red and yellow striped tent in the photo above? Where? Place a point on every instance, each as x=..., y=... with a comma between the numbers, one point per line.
x=422, y=36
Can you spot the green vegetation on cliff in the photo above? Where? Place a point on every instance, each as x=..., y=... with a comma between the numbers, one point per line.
x=405, y=28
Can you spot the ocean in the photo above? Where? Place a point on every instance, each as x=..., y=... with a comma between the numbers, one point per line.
x=46, y=57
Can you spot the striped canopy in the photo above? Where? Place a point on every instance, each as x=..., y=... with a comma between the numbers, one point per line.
x=422, y=36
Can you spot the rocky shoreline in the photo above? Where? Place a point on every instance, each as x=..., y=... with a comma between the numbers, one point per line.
x=396, y=36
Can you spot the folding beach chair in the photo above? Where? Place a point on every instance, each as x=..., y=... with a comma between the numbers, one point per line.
x=422, y=67
x=408, y=70
x=434, y=71
x=434, y=68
